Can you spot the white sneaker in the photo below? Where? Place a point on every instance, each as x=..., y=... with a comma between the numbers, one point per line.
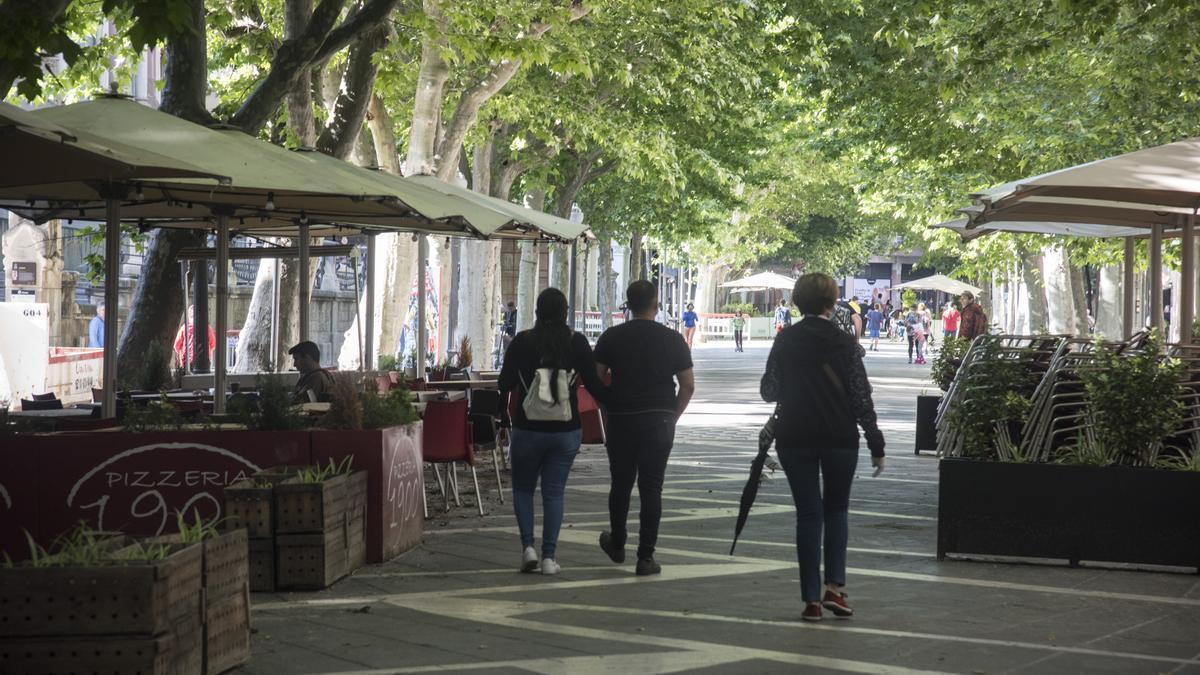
x=529, y=560
x=549, y=566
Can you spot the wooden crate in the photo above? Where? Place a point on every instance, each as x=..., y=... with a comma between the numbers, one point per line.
x=311, y=561
x=251, y=507
x=310, y=507
x=178, y=651
x=144, y=599
x=262, y=565
x=227, y=632
x=356, y=521
x=226, y=602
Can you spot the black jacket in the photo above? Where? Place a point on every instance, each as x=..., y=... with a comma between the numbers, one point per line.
x=815, y=373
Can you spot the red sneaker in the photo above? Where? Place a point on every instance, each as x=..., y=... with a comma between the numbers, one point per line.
x=836, y=603
x=812, y=612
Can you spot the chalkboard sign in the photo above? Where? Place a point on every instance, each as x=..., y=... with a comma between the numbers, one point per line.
x=24, y=273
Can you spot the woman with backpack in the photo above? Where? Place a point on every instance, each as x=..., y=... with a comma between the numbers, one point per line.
x=543, y=366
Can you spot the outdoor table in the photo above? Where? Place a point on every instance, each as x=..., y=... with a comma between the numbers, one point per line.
x=488, y=374
x=43, y=414
x=468, y=384
x=439, y=395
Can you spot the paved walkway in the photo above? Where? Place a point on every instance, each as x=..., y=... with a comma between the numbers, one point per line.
x=457, y=604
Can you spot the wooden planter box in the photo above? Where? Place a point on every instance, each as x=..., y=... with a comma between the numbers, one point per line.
x=395, y=482
x=320, y=531
x=1073, y=513
x=139, y=617
x=251, y=507
x=226, y=602
x=926, y=423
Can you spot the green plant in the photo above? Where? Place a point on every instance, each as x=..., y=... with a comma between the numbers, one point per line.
x=157, y=415
x=745, y=308
x=197, y=530
x=387, y=362
x=998, y=387
x=320, y=474
x=908, y=298
x=390, y=410
x=273, y=411
x=1133, y=401
x=1180, y=462
x=465, y=357
x=949, y=357
x=345, y=407
x=1089, y=451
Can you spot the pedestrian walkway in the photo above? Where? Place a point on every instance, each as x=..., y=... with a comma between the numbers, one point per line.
x=457, y=604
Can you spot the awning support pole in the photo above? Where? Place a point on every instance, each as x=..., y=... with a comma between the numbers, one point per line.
x=422, y=256
x=112, y=301
x=222, y=314
x=369, y=339
x=362, y=352
x=1187, y=292
x=1156, y=285
x=572, y=286
x=276, y=358
x=305, y=282
x=1127, y=288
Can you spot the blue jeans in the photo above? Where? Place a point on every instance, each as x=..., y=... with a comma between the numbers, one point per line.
x=548, y=454
x=805, y=468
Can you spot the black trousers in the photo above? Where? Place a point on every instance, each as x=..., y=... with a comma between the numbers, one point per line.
x=737, y=339
x=911, y=342
x=638, y=448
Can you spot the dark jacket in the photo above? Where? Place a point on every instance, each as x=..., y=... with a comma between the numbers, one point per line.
x=972, y=322
x=815, y=373
x=522, y=360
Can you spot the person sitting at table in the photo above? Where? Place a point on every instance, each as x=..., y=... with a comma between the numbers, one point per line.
x=543, y=365
x=315, y=383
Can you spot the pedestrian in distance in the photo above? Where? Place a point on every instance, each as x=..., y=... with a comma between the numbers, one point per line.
x=926, y=321
x=920, y=336
x=815, y=375
x=739, y=325
x=910, y=321
x=96, y=327
x=949, y=321
x=543, y=365
x=783, y=316
x=690, y=320
x=874, y=322
x=646, y=361
x=972, y=321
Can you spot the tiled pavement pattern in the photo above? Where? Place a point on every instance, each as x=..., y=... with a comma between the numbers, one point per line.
x=457, y=604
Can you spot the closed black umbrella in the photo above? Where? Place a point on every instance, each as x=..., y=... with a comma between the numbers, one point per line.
x=765, y=438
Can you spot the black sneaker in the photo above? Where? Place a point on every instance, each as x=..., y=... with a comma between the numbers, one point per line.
x=647, y=566
x=615, y=553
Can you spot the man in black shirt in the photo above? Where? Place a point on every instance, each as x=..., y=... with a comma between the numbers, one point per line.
x=645, y=360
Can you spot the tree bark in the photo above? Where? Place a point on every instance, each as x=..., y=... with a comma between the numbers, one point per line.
x=605, y=280
x=1110, y=307
x=255, y=353
x=299, y=98
x=350, y=110
x=154, y=313
x=527, y=272
x=383, y=135
x=427, y=103
x=1031, y=269
x=636, y=269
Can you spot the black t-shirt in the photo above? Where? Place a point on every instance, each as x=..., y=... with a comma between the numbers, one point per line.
x=521, y=361
x=644, y=357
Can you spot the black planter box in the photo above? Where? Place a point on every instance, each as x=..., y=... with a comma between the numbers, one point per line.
x=927, y=423
x=1099, y=514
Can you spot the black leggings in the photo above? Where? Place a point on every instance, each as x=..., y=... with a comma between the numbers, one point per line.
x=638, y=448
x=911, y=342
x=737, y=339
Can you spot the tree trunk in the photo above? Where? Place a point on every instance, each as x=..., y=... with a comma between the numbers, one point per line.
x=708, y=287
x=299, y=99
x=1058, y=292
x=157, y=305
x=604, y=283
x=1031, y=269
x=395, y=265
x=383, y=135
x=1078, y=296
x=346, y=121
x=636, y=269
x=427, y=104
x=1110, y=307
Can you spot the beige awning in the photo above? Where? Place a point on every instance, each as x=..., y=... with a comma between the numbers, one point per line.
x=521, y=221
x=762, y=281
x=937, y=282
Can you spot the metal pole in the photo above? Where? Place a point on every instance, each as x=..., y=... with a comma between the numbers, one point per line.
x=369, y=339
x=422, y=256
x=187, y=322
x=1187, y=292
x=572, y=285
x=362, y=353
x=222, y=313
x=1156, y=269
x=1127, y=288
x=305, y=282
x=275, y=359
x=200, y=318
x=112, y=309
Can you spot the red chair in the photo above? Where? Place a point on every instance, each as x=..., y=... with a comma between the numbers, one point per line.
x=417, y=384
x=446, y=439
x=591, y=418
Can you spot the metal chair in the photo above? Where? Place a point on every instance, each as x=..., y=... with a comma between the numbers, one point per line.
x=447, y=439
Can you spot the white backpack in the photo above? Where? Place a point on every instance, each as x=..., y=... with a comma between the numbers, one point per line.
x=539, y=404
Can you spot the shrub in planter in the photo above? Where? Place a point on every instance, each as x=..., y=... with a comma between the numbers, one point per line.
x=1133, y=406
x=998, y=401
x=948, y=359
x=272, y=411
x=387, y=363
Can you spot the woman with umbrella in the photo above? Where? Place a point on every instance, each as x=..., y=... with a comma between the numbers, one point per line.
x=816, y=377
